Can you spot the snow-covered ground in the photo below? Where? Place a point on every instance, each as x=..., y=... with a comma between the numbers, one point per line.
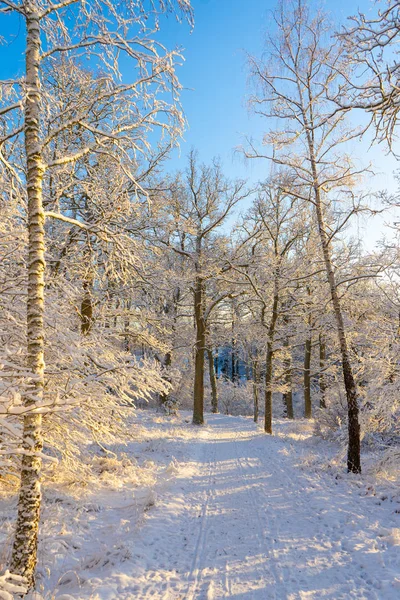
x=220, y=511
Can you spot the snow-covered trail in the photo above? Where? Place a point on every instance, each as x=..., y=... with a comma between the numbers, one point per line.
x=243, y=520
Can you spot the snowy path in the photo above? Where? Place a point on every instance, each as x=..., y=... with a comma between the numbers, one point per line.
x=244, y=521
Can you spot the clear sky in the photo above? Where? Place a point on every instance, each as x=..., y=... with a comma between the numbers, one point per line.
x=216, y=84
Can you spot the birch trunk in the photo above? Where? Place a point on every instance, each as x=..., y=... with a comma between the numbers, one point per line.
x=24, y=554
x=164, y=396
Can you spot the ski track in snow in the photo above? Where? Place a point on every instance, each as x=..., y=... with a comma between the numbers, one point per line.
x=244, y=520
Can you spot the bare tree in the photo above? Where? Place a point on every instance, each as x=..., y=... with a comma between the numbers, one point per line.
x=198, y=204
x=275, y=218
x=373, y=83
x=301, y=67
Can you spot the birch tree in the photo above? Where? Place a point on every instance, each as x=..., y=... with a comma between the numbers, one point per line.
x=103, y=32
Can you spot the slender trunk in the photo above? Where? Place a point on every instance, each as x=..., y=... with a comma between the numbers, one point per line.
x=117, y=305
x=248, y=370
x=127, y=324
x=255, y=389
x=213, y=382
x=307, y=379
x=353, y=454
x=268, y=390
x=270, y=354
x=164, y=397
x=288, y=394
x=322, y=382
x=87, y=308
x=198, y=396
x=24, y=554
x=233, y=353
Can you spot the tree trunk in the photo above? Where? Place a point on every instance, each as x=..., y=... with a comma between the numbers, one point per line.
x=87, y=308
x=198, y=395
x=288, y=395
x=307, y=380
x=270, y=354
x=233, y=376
x=24, y=554
x=268, y=390
x=353, y=454
x=164, y=397
x=255, y=390
x=213, y=382
x=322, y=382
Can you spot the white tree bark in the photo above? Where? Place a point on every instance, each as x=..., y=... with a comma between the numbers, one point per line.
x=24, y=556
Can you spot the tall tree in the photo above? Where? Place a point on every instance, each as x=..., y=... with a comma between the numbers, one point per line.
x=105, y=30
x=198, y=203
x=299, y=70
x=276, y=226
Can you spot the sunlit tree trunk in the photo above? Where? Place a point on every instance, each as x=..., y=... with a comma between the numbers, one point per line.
x=353, y=454
x=24, y=554
x=164, y=396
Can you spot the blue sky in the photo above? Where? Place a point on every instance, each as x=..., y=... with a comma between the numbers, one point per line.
x=214, y=75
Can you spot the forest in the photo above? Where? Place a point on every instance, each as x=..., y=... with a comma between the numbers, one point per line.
x=199, y=373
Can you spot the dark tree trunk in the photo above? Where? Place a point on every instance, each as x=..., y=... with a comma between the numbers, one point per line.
x=307, y=379
x=127, y=324
x=270, y=354
x=198, y=392
x=233, y=363
x=255, y=390
x=213, y=382
x=268, y=390
x=288, y=395
x=86, y=308
x=322, y=361
x=353, y=453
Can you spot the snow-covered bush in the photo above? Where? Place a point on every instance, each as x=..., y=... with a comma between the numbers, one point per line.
x=235, y=398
